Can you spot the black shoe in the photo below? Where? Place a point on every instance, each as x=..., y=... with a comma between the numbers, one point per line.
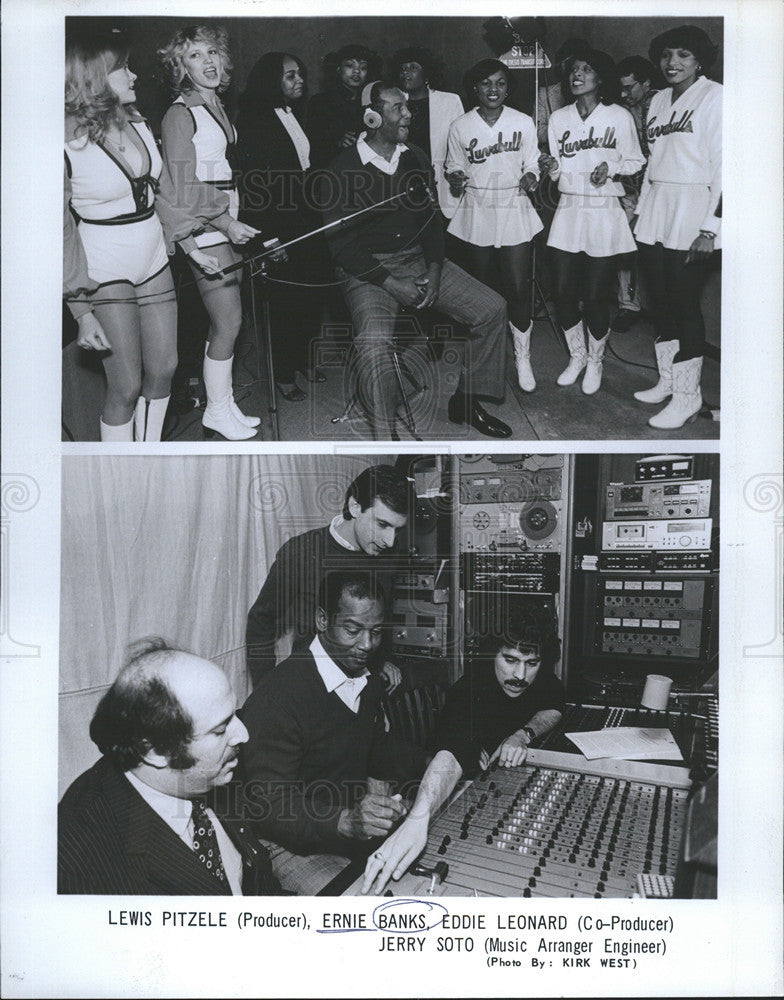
x=314, y=374
x=171, y=423
x=625, y=320
x=291, y=391
x=186, y=396
x=461, y=411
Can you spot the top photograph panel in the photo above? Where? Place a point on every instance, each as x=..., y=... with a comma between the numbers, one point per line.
x=381, y=228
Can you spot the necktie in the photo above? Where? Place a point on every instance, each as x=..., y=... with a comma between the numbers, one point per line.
x=205, y=843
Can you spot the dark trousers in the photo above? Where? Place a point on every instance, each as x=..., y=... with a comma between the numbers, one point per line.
x=674, y=288
x=508, y=271
x=461, y=297
x=590, y=279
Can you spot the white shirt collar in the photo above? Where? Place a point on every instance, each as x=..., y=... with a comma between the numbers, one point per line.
x=348, y=689
x=296, y=134
x=334, y=524
x=368, y=155
x=176, y=813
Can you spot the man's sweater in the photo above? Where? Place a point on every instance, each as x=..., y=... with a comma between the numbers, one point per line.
x=287, y=600
x=309, y=756
x=410, y=223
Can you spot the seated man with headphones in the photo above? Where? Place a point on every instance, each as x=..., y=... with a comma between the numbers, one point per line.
x=393, y=255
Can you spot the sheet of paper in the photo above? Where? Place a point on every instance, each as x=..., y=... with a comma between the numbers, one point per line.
x=628, y=743
x=131, y=946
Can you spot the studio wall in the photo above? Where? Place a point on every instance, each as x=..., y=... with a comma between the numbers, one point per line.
x=459, y=41
x=177, y=547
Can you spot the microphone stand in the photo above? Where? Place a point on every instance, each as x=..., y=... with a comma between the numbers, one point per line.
x=265, y=318
x=537, y=295
x=259, y=265
x=272, y=251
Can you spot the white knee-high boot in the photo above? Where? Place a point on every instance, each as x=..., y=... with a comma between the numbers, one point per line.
x=665, y=352
x=148, y=418
x=117, y=432
x=575, y=339
x=686, y=398
x=593, y=369
x=218, y=415
x=242, y=417
x=522, y=349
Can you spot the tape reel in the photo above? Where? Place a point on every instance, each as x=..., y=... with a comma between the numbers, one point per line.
x=538, y=520
x=536, y=526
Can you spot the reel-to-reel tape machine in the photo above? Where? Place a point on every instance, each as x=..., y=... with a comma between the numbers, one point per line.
x=511, y=506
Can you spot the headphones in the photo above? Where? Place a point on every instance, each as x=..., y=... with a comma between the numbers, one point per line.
x=370, y=116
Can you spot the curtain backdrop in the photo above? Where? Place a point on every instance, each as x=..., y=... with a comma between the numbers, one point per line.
x=177, y=547
x=458, y=41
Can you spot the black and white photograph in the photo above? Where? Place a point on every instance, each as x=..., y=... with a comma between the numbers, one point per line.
x=416, y=649
x=390, y=228
x=392, y=500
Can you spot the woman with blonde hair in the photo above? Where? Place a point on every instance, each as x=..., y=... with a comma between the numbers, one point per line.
x=116, y=276
x=198, y=184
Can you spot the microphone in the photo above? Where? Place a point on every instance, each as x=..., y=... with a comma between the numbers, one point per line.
x=419, y=191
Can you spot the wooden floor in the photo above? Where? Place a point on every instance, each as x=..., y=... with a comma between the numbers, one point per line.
x=550, y=413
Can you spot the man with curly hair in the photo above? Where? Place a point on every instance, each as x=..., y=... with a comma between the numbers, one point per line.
x=508, y=698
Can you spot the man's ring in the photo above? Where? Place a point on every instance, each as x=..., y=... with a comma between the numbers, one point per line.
x=379, y=856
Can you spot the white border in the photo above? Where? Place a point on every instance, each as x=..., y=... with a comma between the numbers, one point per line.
x=64, y=947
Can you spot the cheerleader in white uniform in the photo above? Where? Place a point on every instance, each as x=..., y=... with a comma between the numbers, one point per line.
x=198, y=183
x=492, y=165
x=593, y=142
x=678, y=226
x=116, y=276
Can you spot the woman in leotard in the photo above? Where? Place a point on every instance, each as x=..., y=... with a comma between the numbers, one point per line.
x=198, y=182
x=116, y=276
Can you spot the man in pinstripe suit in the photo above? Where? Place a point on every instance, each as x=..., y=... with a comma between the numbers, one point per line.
x=153, y=816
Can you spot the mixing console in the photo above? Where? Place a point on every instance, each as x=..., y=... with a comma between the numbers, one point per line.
x=711, y=730
x=696, y=733
x=558, y=826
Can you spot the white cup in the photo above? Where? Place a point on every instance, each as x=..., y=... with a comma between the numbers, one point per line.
x=657, y=691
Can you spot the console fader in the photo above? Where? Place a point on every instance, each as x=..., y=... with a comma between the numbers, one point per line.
x=556, y=827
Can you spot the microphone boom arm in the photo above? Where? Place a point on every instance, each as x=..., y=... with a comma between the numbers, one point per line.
x=344, y=220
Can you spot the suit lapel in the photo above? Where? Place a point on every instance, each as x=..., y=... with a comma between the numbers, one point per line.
x=172, y=868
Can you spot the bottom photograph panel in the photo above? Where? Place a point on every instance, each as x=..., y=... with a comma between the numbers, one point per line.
x=430, y=675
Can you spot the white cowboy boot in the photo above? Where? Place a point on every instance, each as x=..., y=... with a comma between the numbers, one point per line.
x=242, y=417
x=148, y=418
x=593, y=369
x=686, y=400
x=522, y=350
x=218, y=416
x=575, y=339
x=117, y=432
x=665, y=352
